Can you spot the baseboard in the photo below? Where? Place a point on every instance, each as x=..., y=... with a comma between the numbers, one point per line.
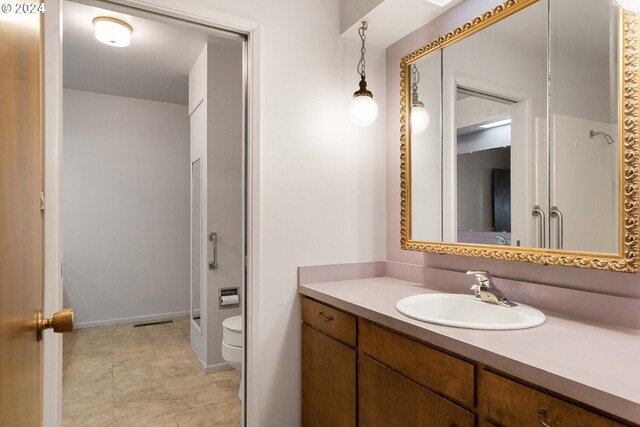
x=215, y=368
x=136, y=319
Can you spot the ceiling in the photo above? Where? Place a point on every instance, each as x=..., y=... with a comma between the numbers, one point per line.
x=473, y=111
x=391, y=20
x=155, y=66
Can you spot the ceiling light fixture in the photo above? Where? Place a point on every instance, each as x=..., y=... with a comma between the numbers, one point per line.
x=419, y=116
x=629, y=5
x=363, y=110
x=112, y=31
x=496, y=124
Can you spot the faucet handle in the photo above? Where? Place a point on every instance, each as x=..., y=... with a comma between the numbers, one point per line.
x=482, y=276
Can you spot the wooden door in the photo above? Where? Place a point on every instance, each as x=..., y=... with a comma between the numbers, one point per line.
x=21, y=219
x=328, y=381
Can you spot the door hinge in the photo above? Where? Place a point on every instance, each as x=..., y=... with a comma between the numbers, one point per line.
x=41, y=201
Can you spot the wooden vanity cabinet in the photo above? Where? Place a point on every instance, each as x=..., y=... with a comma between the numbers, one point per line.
x=355, y=372
x=328, y=366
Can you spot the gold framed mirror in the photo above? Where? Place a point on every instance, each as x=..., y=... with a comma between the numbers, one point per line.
x=559, y=184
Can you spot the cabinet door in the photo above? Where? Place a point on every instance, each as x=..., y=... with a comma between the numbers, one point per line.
x=585, y=140
x=440, y=372
x=328, y=381
x=387, y=399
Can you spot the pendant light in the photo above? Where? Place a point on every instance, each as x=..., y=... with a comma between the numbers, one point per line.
x=419, y=116
x=629, y=5
x=363, y=110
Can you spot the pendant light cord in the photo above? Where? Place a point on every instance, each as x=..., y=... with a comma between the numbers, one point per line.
x=363, y=50
x=415, y=77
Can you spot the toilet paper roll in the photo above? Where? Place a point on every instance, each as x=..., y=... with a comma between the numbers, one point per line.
x=229, y=300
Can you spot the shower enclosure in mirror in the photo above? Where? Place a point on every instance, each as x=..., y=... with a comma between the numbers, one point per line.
x=514, y=138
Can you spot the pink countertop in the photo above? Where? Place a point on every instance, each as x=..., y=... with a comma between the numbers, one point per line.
x=597, y=364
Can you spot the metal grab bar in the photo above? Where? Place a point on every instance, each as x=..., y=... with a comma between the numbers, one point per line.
x=555, y=212
x=542, y=232
x=213, y=237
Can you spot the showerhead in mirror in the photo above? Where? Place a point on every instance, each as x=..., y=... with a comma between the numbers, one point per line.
x=606, y=136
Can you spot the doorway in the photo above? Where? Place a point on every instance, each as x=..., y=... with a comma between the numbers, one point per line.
x=493, y=158
x=127, y=214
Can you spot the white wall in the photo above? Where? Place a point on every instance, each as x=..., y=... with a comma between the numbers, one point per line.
x=322, y=179
x=225, y=185
x=125, y=207
x=215, y=95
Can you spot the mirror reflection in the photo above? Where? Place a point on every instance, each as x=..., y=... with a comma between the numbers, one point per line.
x=483, y=147
x=513, y=132
x=426, y=149
x=584, y=145
x=196, y=239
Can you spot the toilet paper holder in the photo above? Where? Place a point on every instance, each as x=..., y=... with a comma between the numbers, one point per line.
x=228, y=298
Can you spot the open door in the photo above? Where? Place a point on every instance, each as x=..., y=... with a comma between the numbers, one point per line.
x=21, y=219
x=22, y=222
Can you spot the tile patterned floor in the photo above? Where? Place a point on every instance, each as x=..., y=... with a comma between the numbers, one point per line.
x=148, y=376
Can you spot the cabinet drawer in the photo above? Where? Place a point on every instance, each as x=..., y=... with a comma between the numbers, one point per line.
x=429, y=367
x=335, y=323
x=387, y=399
x=506, y=403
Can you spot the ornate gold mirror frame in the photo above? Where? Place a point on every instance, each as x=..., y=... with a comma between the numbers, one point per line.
x=628, y=257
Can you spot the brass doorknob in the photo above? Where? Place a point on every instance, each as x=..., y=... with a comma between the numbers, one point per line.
x=61, y=322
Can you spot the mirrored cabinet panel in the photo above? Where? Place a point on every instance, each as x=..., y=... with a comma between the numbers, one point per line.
x=494, y=86
x=426, y=148
x=512, y=141
x=584, y=132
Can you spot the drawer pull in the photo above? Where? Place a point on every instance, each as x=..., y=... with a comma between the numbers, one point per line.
x=324, y=317
x=543, y=417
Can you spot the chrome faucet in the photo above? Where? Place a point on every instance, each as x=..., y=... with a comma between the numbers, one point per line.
x=486, y=291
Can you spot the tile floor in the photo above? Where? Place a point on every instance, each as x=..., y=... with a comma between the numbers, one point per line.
x=146, y=376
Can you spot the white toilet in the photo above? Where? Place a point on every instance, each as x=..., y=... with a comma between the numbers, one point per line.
x=232, y=346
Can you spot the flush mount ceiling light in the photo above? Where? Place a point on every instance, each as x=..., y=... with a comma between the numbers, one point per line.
x=629, y=5
x=419, y=116
x=496, y=124
x=363, y=110
x=112, y=31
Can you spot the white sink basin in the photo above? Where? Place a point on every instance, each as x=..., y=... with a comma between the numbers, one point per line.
x=465, y=311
